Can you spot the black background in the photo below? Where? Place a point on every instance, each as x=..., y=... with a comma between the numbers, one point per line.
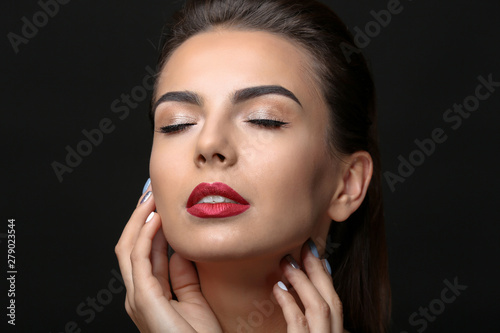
x=442, y=221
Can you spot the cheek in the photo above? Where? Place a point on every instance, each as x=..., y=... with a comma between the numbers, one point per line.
x=167, y=172
x=167, y=181
x=296, y=177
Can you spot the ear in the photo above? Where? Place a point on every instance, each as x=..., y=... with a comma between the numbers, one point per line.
x=356, y=173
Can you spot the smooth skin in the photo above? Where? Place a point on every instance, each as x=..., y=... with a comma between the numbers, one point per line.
x=295, y=188
x=141, y=252
x=142, y=255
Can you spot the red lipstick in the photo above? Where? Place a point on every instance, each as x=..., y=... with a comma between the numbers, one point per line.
x=215, y=210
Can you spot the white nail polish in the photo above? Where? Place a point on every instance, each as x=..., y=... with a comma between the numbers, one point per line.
x=150, y=217
x=282, y=286
x=146, y=197
x=148, y=182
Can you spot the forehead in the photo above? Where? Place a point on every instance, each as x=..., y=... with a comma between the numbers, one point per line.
x=228, y=60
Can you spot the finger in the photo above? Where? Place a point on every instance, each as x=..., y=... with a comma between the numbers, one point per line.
x=323, y=282
x=296, y=321
x=129, y=236
x=136, y=221
x=126, y=269
x=145, y=283
x=317, y=310
x=149, y=299
x=147, y=188
x=130, y=308
x=185, y=281
x=127, y=266
x=159, y=261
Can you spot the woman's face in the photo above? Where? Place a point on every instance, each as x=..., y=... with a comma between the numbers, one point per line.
x=242, y=109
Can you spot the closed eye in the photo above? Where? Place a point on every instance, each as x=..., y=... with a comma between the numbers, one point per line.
x=268, y=123
x=175, y=128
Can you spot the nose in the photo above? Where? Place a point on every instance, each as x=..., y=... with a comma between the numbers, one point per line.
x=215, y=145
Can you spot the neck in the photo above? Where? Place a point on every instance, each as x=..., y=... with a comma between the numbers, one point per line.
x=240, y=294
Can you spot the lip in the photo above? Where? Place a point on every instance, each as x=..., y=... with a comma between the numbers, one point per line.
x=217, y=210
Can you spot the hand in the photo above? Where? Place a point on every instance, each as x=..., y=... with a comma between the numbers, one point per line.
x=142, y=255
x=322, y=307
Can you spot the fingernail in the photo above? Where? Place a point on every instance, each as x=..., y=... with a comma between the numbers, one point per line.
x=146, y=197
x=313, y=248
x=150, y=217
x=146, y=185
x=292, y=262
x=327, y=267
x=282, y=286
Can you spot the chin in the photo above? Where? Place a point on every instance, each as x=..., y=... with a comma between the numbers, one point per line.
x=204, y=246
x=248, y=236
x=212, y=252
x=227, y=246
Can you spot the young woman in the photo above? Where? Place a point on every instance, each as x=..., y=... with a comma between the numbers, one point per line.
x=264, y=161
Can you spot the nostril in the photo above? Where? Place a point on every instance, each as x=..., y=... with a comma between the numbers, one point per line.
x=221, y=157
x=202, y=158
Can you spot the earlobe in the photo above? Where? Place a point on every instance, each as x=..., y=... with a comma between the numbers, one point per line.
x=356, y=175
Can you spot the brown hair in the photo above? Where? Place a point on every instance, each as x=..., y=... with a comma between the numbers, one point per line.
x=360, y=269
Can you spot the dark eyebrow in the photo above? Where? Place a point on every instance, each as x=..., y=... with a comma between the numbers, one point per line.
x=179, y=96
x=253, y=92
x=238, y=97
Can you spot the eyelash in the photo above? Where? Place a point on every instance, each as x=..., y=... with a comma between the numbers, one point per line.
x=266, y=123
x=175, y=128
